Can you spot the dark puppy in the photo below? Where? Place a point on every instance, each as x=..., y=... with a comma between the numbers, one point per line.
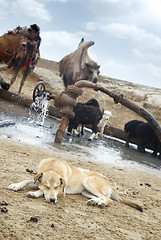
x=86, y=115
x=146, y=136
x=91, y=102
x=130, y=129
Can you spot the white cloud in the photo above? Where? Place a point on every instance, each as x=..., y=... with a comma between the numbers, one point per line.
x=132, y=31
x=121, y=30
x=3, y=8
x=31, y=9
x=56, y=44
x=151, y=8
x=144, y=73
x=105, y=3
x=112, y=9
x=146, y=43
x=147, y=74
x=62, y=1
x=92, y=26
x=154, y=70
x=109, y=1
x=138, y=53
x=3, y=3
x=62, y=37
x=113, y=68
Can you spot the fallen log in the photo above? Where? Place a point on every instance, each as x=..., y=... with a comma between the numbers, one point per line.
x=6, y=123
x=16, y=98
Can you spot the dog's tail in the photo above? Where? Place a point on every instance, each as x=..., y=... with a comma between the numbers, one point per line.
x=116, y=197
x=131, y=204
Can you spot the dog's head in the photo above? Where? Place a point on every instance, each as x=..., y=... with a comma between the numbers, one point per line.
x=51, y=184
x=107, y=115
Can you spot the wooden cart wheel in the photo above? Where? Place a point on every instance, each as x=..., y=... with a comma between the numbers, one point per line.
x=38, y=90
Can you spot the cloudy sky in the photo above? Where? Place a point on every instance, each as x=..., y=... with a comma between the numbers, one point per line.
x=127, y=33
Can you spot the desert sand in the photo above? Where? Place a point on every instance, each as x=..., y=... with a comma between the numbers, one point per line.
x=70, y=217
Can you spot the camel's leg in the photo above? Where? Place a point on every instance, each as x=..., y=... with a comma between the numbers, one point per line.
x=14, y=77
x=16, y=70
x=26, y=73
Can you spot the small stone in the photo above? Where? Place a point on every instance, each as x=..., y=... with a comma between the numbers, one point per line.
x=4, y=209
x=34, y=219
x=4, y=203
x=148, y=184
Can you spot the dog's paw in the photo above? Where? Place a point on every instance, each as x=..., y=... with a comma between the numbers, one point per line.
x=96, y=202
x=35, y=194
x=91, y=202
x=31, y=194
x=101, y=204
x=15, y=186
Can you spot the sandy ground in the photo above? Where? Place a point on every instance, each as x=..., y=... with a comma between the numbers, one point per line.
x=70, y=217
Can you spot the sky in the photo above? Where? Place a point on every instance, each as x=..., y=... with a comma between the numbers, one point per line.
x=127, y=33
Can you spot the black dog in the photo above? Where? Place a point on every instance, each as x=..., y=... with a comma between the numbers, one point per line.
x=130, y=128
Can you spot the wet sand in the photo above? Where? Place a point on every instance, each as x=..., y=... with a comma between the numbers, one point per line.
x=70, y=217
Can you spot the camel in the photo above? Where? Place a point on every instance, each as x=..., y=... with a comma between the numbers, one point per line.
x=19, y=48
x=78, y=65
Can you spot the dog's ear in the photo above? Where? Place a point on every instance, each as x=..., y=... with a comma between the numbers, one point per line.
x=61, y=181
x=38, y=177
x=63, y=184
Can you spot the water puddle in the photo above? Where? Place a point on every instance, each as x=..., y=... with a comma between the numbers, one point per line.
x=38, y=129
x=30, y=127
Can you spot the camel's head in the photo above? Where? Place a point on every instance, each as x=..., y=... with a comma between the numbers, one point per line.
x=92, y=71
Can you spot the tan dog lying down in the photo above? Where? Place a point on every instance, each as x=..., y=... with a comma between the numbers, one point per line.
x=57, y=177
